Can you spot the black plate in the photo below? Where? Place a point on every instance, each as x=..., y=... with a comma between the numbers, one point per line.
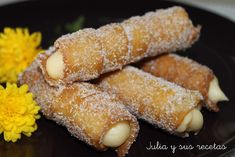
x=215, y=49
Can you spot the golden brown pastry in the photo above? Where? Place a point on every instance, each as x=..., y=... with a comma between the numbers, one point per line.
x=87, y=53
x=159, y=102
x=189, y=74
x=88, y=113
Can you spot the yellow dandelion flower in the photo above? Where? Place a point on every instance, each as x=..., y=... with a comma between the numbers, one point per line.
x=18, y=49
x=18, y=112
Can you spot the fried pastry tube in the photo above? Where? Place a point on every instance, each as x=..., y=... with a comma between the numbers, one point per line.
x=88, y=53
x=157, y=101
x=89, y=114
x=189, y=74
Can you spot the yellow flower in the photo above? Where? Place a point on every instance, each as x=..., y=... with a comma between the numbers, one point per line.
x=18, y=49
x=18, y=112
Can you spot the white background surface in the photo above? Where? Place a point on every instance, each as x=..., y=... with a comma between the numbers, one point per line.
x=3, y=2
x=225, y=8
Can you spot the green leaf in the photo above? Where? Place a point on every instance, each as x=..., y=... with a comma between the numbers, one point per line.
x=76, y=25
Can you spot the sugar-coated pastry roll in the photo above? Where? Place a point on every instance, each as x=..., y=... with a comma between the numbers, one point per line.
x=189, y=74
x=88, y=113
x=88, y=53
x=159, y=102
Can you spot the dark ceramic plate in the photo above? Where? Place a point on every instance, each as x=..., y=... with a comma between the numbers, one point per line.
x=215, y=49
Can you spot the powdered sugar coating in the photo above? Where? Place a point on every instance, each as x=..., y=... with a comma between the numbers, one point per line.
x=153, y=99
x=138, y=35
x=171, y=30
x=89, y=53
x=114, y=46
x=86, y=111
x=82, y=55
x=185, y=72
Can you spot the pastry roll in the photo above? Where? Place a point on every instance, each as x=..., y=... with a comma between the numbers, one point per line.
x=159, y=102
x=189, y=74
x=88, y=113
x=88, y=53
